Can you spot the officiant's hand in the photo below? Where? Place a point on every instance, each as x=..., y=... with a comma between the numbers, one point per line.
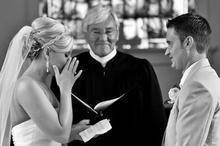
x=77, y=128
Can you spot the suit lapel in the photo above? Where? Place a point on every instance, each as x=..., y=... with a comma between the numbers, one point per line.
x=171, y=125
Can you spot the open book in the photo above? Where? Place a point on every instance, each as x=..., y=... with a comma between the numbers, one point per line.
x=101, y=105
x=103, y=125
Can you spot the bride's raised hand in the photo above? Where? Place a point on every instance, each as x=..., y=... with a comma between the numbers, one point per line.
x=68, y=76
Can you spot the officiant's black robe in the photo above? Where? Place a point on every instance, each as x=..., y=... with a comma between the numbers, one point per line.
x=138, y=118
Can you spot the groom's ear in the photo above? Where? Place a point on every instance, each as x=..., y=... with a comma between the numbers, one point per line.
x=188, y=43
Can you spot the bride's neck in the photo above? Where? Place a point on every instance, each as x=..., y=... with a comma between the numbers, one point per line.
x=37, y=71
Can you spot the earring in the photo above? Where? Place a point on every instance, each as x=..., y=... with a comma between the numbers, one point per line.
x=47, y=63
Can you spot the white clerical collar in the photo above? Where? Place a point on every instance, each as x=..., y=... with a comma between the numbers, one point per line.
x=187, y=71
x=105, y=59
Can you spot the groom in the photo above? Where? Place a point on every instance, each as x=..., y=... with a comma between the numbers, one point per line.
x=195, y=117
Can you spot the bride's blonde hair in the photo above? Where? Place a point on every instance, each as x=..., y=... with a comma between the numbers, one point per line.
x=50, y=34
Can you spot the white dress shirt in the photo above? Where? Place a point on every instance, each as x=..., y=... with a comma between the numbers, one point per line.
x=105, y=59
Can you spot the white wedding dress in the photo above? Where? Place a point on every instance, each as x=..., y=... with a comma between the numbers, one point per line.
x=28, y=134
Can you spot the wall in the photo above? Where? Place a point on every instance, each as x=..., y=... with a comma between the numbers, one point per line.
x=14, y=14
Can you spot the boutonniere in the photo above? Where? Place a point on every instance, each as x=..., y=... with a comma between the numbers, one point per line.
x=173, y=93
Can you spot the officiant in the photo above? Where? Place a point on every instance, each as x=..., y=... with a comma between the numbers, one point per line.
x=137, y=118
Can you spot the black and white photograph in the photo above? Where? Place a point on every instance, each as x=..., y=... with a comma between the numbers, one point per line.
x=110, y=73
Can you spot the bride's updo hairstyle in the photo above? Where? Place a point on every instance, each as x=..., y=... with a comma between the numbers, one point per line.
x=48, y=34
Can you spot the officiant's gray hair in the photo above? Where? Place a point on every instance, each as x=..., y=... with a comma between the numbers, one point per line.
x=98, y=14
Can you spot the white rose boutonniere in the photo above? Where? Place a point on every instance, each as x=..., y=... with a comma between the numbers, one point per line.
x=173, y=93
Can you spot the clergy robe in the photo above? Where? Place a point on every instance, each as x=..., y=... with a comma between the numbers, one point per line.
x=139, y=117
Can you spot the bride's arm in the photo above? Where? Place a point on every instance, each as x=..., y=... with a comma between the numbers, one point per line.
x=37, y=105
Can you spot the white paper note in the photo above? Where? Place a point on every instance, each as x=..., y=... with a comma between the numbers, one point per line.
x=101, y=127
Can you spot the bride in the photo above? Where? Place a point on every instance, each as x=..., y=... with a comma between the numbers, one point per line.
x=28, y=108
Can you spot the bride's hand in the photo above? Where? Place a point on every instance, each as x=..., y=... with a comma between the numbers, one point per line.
x=66, y=79
x=77, y=128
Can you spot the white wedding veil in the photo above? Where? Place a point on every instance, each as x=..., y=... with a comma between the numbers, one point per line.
x=15, y=57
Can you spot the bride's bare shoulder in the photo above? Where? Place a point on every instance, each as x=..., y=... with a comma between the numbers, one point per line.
x=24, y=82
x=25, y=85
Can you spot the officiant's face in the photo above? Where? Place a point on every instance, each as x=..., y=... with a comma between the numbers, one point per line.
x=102, y=37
